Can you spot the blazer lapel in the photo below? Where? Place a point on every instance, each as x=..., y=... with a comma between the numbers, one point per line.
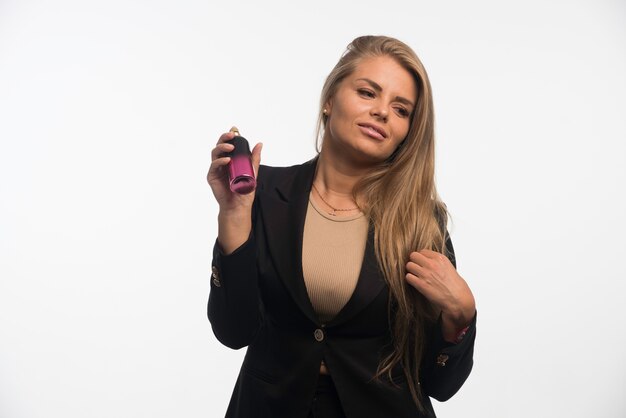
x=283, y=209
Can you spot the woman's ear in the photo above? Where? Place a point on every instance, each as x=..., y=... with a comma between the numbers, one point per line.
x=326, y=110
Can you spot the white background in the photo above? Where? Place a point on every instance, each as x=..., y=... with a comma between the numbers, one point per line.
x=108, y=112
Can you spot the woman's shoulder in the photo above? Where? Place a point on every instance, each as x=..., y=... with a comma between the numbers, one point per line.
x=275, y=175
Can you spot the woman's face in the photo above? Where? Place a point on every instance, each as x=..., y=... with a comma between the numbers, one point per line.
x=369, y=115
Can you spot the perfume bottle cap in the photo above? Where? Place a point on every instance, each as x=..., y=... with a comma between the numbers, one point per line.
x=235, y=130
x=241, y=147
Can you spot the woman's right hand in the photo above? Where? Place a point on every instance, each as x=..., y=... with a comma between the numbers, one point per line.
x=234, y=219
x=217, y=177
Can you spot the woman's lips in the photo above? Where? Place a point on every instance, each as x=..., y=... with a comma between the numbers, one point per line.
x=372, y=131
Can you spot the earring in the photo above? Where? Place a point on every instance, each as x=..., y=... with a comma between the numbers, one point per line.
x=325, y=111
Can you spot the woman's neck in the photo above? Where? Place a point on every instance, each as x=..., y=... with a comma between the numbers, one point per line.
x=336, y=175
x=335, y=181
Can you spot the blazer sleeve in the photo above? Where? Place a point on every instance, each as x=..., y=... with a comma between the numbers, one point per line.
x=234, y=302
x=445, y=365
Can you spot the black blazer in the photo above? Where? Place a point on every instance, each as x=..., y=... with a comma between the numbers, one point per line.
x=258, y=299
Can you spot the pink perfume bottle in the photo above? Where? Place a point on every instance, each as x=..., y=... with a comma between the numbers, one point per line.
x=240, y=172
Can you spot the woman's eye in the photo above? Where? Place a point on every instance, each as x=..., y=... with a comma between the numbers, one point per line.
x=366, y=93
x=402, y=112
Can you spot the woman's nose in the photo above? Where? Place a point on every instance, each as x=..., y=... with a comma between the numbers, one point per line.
x=379, y=112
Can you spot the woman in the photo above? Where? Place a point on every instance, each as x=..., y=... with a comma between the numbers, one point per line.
x=338, y=274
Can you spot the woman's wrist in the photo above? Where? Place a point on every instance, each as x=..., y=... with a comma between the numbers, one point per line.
x=454, y=326
x=233, y=229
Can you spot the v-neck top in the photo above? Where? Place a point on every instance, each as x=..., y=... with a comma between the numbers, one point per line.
x=332, y=255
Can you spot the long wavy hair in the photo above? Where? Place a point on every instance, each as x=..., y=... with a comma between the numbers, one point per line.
x=402, y=205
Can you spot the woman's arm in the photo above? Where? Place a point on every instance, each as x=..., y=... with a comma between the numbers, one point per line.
x=233, y=307
x=448, y=358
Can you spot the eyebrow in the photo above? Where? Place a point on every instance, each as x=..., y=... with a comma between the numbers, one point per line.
x=378, y=88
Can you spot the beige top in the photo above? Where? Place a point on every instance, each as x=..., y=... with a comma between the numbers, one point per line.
x=332, y=254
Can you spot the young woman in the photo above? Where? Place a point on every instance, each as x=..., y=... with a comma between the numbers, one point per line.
x=338, y=274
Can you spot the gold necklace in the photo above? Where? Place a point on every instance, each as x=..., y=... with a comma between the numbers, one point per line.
x=331, y=206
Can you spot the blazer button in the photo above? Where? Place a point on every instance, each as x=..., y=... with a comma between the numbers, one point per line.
x=319, y=335
x=441, y=360
x=216, y=277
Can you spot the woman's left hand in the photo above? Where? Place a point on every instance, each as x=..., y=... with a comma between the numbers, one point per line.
x=434, y=276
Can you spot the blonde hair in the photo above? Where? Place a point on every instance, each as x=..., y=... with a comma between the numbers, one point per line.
x=402, y=204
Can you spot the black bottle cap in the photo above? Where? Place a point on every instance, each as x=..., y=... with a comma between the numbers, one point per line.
x=241, y=146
